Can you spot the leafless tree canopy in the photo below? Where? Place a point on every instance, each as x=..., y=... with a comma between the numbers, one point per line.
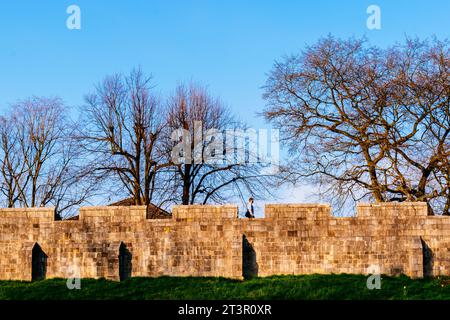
x=202, y=181
x=123, y=124
x=121, y=147
x=128, y=134
x=38, y=157
x=365, y=122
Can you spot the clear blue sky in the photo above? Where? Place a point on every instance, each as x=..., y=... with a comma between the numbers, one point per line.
x=228, y=45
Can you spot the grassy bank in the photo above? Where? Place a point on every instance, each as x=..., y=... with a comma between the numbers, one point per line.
x=277, y=287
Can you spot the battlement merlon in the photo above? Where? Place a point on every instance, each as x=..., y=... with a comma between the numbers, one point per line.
x=392, y=210
x=227, y=211
x=23, y=215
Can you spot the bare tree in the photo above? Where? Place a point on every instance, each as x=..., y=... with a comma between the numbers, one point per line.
x=203, y=121
x=365, y=122
x=13, y=168
x=417, y=145
x=123, y=123
x=39, y=164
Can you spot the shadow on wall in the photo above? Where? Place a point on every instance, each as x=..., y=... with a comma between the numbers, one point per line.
x=125, y=265
x=428, y=259
x=38, y=263
x=249, y=264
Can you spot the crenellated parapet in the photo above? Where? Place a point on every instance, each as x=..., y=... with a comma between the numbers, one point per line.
x=209, y=240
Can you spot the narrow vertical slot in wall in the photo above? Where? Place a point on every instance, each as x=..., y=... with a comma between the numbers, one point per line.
x=249, y=262
x=38, y=263
x=125, y=265
x=428, y=259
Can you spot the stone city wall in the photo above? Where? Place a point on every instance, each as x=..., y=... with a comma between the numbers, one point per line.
x=119, y=242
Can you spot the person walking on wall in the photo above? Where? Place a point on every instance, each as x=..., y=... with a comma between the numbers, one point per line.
x=250, y=213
